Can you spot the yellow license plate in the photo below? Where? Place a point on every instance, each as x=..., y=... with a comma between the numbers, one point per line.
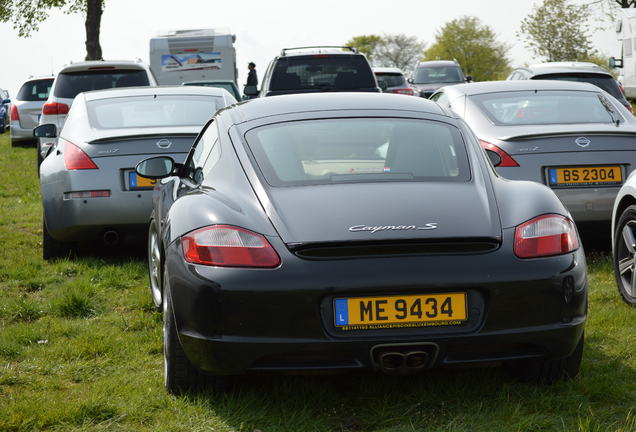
x=137, y=181
x=587, y=175
x=367, y=313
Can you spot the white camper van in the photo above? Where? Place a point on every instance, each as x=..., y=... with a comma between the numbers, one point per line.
x=193, y=55
x=626, y=34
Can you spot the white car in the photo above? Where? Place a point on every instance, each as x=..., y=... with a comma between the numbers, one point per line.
x=80, y=77
x=26, y=108
x=624, y=240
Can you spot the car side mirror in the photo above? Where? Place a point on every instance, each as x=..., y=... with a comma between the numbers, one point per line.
x=250, y=91
x=156, y=167
x=48, y=130
x=469, y=78
x=410, y=80
x=383, y=85
x=614, y=63
x=494, y=158
x=6, y=101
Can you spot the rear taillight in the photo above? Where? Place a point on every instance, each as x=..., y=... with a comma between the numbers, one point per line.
x=545, y=235
x=54, y=108
x=15, y=115
x=76, y=159
x=228, y=246
x=405, y=91
x=506, y=159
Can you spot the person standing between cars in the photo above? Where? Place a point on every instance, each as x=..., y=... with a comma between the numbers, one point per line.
x=252, y=79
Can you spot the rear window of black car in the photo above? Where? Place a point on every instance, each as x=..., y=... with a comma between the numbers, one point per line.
x=37, y=90
x=391, y=79
x=69, y=84
x=317, y=152
x=322, y=72
x=545, y=107
x=605, y=82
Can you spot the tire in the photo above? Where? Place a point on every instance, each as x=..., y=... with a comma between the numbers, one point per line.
x=180, y=376
x=624, y=255
x=155, y=267
x=3, y=125
x=548, y=371
x=51, y=248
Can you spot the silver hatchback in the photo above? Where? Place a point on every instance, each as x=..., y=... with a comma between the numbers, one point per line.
x=26, y=108
x=89, y=188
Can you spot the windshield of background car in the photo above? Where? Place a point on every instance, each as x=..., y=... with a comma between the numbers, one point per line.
x=605, y=82
x=34, y=91
x=320, y=152
x=391, y=79
x=151, y=111
x=69, y=84
x=544, y=107
x=438, y=74
x=322, y=71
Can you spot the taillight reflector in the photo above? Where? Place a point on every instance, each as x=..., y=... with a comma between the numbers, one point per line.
x=54, y=108
x=545, y=235
x=87, y=194
x=506, y=159
x=76, y=159
x=228, y=246
x=15, y=115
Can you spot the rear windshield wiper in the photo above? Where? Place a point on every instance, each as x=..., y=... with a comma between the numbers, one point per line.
x=610, y=109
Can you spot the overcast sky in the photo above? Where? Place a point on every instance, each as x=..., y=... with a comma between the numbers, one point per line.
x=262, y=28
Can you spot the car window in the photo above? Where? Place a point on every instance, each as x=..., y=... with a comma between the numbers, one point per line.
x=69, y=84
x=437, y=74
x=359, y=150
x=195, y=164
x=391, y=79
x=322, y=71
x=605, y=82
x=544, y=107
x=37, y=90
x=151, y=111
x=441, y=98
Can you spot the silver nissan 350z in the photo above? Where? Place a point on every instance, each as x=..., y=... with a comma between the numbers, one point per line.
x=88, y=183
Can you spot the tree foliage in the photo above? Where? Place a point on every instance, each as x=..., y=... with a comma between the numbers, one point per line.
x=558, y=31
x=26, y=16
x=366, y=44
x=474, y=45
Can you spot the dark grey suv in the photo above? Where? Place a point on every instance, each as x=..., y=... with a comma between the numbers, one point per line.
x=432, y=75
x=318, y=69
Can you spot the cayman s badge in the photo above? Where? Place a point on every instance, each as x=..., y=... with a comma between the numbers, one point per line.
x=582, y=142
x=164, y=143
x=375, y=229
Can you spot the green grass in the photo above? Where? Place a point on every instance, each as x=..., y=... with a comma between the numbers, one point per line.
x=80, y=350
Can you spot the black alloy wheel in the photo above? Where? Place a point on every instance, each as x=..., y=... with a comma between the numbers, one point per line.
x=625, y=255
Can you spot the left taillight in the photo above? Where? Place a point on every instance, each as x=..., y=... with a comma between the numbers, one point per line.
x=545, y=235
x=75, y=158
x=405, y=91
x=228, y=246
x=15, y=115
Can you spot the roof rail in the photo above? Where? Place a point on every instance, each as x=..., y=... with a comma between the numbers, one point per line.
x=283, y=52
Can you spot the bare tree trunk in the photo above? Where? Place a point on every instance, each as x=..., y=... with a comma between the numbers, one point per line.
x=93, y=22
x=626, y=3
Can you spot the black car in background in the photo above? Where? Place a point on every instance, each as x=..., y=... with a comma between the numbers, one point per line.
x=317, y=70
x=342, y=232
x=429, y=76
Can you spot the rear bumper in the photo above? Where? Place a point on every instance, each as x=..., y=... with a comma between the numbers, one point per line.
x=236, y=320
x=590, y=204
x=21, y=134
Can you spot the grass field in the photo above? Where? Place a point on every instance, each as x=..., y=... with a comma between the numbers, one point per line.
x=80, y=350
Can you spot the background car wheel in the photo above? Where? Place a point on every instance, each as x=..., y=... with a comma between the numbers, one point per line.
x=548, y=371
x=154, y=266
x=180, y=376
x=625, y=255
x=3, y=125
x=52, y=248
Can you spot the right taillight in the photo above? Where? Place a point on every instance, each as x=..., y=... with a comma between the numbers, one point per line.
x=506, y=159
x=545, y=235
x=54, y=108
x=75, y=158
x=228, y=246
x=15, y=115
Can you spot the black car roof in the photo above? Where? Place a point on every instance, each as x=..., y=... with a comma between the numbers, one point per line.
x=312, y=102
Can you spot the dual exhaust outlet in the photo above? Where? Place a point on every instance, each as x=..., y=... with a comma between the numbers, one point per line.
x=404, y=359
